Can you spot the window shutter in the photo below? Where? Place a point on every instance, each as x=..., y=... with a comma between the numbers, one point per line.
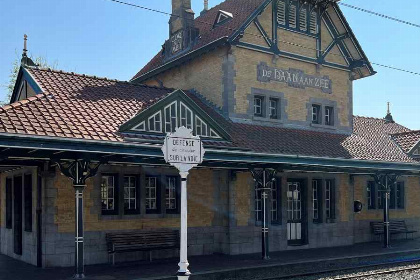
x=292, y=15
x=314, y=23
x=281, y=12
x=303, y=20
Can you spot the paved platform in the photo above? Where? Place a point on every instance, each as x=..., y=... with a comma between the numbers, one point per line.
x=222, y=266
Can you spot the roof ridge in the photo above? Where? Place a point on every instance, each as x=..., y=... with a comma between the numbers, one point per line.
x=406, y=132
x=96, y=77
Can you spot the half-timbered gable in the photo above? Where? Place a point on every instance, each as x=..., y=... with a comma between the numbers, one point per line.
x=285, y=63
x=171, y=112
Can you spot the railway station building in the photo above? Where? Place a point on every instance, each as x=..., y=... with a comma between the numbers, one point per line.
x=266, y=84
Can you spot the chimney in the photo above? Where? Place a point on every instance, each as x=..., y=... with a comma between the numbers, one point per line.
x=206, y=7
x=182, y=16
x=182, y=32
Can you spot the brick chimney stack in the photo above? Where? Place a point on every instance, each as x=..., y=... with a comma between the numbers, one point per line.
x=182, y=32
x=182, y=16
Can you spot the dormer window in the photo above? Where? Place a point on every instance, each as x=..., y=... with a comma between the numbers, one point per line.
x=297, y=16
x=200, y=127
x=186, y=116
x=155, y=122
x=171, y=117
x=170, y=113
x=222, y=17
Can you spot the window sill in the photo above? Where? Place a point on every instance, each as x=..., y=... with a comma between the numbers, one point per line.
x=331, y=127
x=263, y=119
x=330, y=221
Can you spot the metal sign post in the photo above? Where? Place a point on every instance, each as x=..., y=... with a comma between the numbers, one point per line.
x=184, y=151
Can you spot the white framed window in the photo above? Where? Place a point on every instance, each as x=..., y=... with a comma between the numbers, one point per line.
x=316, y=109
x=314, y=23
x=151, y=193
x=281, y=12
x=315, y=199
x=329, y=199
x=186, y=116
x=274, y=203
x=171, y=117
x=155, y=122
x=200, y=127
x=273, y=108
x=329, y=115
x=213, y=134
x=303, y=20
x=130, y=193
x=258, y=205
x=108, y=192
x=140, y=127
x=292, y=14
x=258, y=106
x=171, y=193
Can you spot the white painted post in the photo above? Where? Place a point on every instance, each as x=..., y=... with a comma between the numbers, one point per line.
x=184, y=151
x=183, y=271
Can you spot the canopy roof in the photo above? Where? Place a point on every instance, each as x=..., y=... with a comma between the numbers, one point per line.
x=74, y=109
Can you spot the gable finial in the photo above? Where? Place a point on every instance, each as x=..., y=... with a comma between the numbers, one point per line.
x=388, y=118
x=26, y=61
x=25, y=50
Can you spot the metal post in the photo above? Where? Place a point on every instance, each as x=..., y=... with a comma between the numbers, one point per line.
x=264, y=229
x=79, y=171
x=386, y=214
x=183, y=272
x=79, y=233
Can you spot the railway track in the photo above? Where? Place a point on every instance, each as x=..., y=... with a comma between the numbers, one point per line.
x=356, y=272
x=376, y=273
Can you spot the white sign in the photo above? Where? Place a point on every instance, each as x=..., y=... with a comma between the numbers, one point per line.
x=182, y=149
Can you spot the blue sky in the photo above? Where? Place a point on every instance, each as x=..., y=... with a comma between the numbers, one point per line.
x=102, y=38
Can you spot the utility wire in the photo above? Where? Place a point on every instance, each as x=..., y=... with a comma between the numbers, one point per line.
x=379, y=15
x=260, y=36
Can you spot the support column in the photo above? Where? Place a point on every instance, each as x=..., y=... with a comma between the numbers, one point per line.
x=79, y=171
x=263, y=179
x=385, y=181
x=183, y=272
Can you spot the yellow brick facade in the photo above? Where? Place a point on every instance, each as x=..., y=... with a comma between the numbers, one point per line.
x=200, y=207
x=297, y=99
x=412, y=198
x=203, y=74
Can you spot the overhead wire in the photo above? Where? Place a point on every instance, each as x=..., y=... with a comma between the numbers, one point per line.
x=261, y=36
x=379, y=14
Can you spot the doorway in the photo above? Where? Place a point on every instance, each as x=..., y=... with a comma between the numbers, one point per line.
x=296, y=225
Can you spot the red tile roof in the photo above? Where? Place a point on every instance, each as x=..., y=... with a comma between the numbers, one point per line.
x=241, y=10
x=78, y=106
x=407, y=140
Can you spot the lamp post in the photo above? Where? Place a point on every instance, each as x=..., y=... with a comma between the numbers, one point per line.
x=263, y=179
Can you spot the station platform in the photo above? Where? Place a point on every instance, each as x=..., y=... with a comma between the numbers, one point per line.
x=215, y=267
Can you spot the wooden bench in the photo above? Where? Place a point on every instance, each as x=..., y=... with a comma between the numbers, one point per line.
x=395, y=227
x=120, y=242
